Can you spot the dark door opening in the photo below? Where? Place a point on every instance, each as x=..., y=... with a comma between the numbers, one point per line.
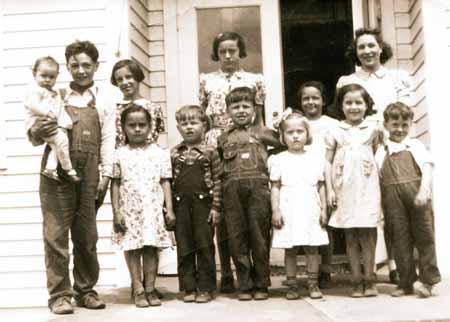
x=315, y=35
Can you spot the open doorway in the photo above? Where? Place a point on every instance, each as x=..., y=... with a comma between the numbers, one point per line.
x=315, y=35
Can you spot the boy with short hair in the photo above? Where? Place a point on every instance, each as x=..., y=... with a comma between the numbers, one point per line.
x=246, y=193
x=197, y=186
x=66, y=207
x=406, y=186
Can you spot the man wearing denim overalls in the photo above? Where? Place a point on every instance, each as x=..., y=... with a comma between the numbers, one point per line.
x=68, y=207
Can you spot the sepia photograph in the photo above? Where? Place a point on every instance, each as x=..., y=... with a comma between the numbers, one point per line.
x=226, y=160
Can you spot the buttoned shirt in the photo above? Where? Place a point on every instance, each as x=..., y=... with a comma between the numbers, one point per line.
x=210, y=161
x=420, y=154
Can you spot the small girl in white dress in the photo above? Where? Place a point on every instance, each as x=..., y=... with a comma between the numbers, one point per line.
x=298, y=203
x=140, y=185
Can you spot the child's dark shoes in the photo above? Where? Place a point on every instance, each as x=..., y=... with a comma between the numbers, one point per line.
x=314, y=291
x=261, y=293
x=153, y=299
x=398, y=292
x=91, y=301
x=293, y=293
x=358, y=291
x=140, y=300
x=423, y=290
x=203, y=297
x=370, y=290
x=189, y=297
x=61, y=305
x=245, y=296
x=51, y=174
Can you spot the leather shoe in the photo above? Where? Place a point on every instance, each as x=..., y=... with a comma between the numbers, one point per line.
x=245, y=296
x=261, y=293
x=61, y=305
x=189, y=296
x=91, y=301
x=203, y=297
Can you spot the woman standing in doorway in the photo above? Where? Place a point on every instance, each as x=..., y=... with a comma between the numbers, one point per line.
x=385, y=86
x=228, y=49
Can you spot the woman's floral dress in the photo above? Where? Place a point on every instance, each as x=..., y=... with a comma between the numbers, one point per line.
x=214, y=87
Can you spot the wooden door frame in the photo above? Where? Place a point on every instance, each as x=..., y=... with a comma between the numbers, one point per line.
x=271, y=58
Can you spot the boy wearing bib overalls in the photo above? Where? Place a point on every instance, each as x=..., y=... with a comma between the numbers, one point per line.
x=246, y=194
x=406, y=179
x=68, y=207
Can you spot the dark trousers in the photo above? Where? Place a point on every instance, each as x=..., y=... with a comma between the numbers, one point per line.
x=412, y=227
x=195, y=242
x=223, y=246
x=66, y=207
x=361, y=242
x=247, y=211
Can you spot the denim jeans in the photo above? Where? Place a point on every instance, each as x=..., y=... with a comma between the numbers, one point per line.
x=248, y=214
x=195, y=242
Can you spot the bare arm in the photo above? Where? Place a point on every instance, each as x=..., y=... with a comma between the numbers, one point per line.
x=277, y=218
x=118, y=220
x=331, y=196
x=216, y=170
x=323, y=205
x=167, y=191
x=424, y=194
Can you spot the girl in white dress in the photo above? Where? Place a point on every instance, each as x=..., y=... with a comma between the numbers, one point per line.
x=139, y=187
x=298, y=202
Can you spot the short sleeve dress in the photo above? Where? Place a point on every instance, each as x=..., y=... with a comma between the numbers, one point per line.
x=355, y=175
x=141, y=197
x=299, y=199
x=214, y=87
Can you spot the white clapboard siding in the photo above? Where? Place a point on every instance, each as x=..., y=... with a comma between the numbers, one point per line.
x=32, y=214
x=8, y=232
x=146, y=46
x=38, y=279
x=31, y=29
x=34, y=263
x=36, y=247
x=22, y=74
x=55, y=20
x=410, y=54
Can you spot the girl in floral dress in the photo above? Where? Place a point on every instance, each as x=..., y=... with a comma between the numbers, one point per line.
x=127, y=75
x=139, y=187
x=353, y=188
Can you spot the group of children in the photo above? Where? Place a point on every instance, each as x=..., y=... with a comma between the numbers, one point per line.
x=331, y=173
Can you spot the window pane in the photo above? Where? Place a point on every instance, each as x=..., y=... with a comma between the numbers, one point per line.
x=243, y=20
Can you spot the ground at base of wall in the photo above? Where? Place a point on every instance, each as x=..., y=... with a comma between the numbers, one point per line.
x=336, y=306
